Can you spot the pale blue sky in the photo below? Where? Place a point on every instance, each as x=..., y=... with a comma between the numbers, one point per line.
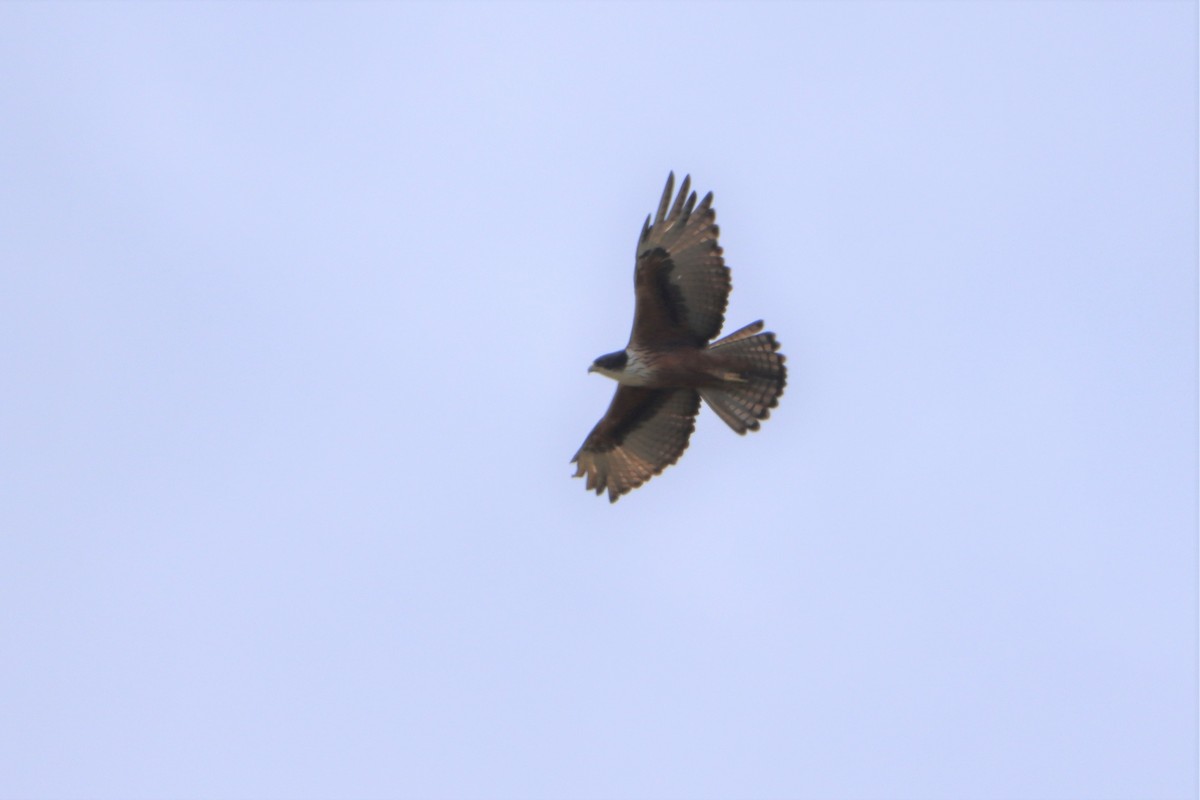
x=296, y=306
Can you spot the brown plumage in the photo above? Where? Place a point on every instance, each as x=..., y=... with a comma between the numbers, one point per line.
x=681, y=289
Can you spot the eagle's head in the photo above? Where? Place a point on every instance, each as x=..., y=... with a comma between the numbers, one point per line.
x=611, y=365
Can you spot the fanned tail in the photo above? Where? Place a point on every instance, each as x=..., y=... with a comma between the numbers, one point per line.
x=753, y=375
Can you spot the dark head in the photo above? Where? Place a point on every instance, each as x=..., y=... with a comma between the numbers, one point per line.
x=610, y=364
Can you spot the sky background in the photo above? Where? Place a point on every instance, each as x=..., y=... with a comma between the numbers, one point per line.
x=296, y=307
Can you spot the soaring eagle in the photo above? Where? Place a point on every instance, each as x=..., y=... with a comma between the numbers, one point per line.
x=681, y=288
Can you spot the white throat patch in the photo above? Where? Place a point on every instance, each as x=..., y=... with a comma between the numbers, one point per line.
x=638, y=369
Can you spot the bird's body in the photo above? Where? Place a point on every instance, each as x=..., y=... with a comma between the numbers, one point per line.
x=681, y=286
x=667, y=368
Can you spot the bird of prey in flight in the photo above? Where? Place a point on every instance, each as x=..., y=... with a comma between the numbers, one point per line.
x=681, y=287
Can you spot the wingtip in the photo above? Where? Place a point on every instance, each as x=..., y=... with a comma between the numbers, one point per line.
x=665, y=201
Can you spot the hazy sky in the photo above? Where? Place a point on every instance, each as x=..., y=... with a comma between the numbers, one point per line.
x=296, y=306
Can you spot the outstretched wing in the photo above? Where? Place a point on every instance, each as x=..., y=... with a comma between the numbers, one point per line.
x=681, y=282
x=643, y=432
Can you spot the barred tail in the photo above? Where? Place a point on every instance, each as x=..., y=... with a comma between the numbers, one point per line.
x=753, y=375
